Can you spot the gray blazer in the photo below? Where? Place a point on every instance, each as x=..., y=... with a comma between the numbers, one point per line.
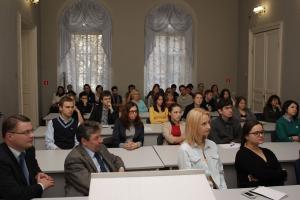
x=79, y=166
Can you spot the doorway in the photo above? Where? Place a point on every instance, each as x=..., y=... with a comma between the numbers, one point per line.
x=264, y=69
x=27, y=71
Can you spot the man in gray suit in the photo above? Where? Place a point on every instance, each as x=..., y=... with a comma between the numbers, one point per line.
x=90, y=156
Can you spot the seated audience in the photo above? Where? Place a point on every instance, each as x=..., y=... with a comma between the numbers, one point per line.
x=174, y=129
x=198, y=99
x=136, y=98
x=169, y=99
x=198, y=152
x=272, y=109
x=209, y=102
x=257, y=166
x=225, y=128
x=158, y=113
x=104, y=112
x=70, y=90
x=87, y=90
x=288, y=126
x=215, y=92
x=20, y=175
x=116, y=98
x=150, y=97
x=200, y=88
x=189, y=89
x=175, y=94
x=225, y=94
x=241, y=112
x=184, y=99
x=130, y=88
x=128, y=131
x=83, y=105
x=90, y=156
x=56, y=98
x=99, y=90
x=61, y=131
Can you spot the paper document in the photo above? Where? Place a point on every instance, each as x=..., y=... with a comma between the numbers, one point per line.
x=269, y=193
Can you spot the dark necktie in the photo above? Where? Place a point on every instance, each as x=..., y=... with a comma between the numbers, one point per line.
x=24, y=167
x=101, y=162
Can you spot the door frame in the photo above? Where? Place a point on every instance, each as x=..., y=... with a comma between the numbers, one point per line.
x=259, y=29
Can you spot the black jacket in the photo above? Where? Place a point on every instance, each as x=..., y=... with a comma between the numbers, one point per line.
x=96, y=114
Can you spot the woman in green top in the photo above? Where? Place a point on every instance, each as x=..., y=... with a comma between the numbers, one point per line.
x=288, y=126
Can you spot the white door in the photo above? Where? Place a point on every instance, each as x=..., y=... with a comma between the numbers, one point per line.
x=28, y=75
x=265, y=76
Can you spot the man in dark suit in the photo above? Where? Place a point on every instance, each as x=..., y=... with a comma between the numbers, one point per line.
x=90, y=156
x=104, y=112
x=20, y=176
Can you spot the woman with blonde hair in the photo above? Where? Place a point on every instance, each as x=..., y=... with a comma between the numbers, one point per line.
x=198, y=152
x=135, y=97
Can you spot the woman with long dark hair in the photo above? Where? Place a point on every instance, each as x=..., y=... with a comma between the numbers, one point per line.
x=272, y=109
x=257, y=166
x=158, y=113
x=128, y=131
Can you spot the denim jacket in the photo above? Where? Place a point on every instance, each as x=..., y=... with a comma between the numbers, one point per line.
x=191, y=157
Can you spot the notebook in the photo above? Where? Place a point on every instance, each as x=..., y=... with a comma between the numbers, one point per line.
x=269, y=193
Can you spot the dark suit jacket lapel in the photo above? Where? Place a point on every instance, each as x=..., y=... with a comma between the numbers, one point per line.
x=17, y=167
x=86, y=157
x=105, y=157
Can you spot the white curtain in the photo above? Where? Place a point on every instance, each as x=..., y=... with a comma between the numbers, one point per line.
x=168, y=47
x=85, y=45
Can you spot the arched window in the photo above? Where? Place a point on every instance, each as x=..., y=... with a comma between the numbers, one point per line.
x=85, y=45
x=168, y=47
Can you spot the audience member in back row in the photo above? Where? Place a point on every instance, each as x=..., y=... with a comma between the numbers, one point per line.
x=198, y=99
x=70, y=90
x=198, y=152
x=90, y=156
x=225, y=128
x=56, y=97
x=272, y=109
x=61, y=131
x=130, y=88
x=225, y=94
x=257, y=166
x=175, y=94
x=136, y=98
x=288, y=126
x=104, y=112
x=241, y=112
x=184, y=99
x=189, y=89
x=87, y=90
x=150, y=97
x=208, y=102
x=215, y=92
x=98, y=92
x=169, y=99
x=116, y=98
x=20, y=175
x=158, y=113
x=128, y=131
x=174, y=129
x=83, y=105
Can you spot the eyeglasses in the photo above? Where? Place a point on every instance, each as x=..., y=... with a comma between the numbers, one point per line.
x=27, y=132
x=133, y=111
x=256, y=133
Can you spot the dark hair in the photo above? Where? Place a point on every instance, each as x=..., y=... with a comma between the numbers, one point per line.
x=224, y=102
x=271, y=98
x=57, y=92
x=173, y=86
x=64, y=99
x=163, y=106
x=86, y=129
x=207, y=91
x=246, y=130
x=99, y=86
x=197, y=93
x=10, y=123
x=114, y=88
x=172, y=106
x=131, y=86
x=105, y=93
x=238, y=100
x=182, y=86
x=125, y=112
x=190, y=86
x=87, y=85
x=286, y=105
x=214, y=85
x=223, y=93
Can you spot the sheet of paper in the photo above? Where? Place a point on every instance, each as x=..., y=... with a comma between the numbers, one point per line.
x=269, y=192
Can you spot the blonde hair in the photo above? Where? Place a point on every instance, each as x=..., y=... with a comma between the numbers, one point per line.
x=194, y=121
